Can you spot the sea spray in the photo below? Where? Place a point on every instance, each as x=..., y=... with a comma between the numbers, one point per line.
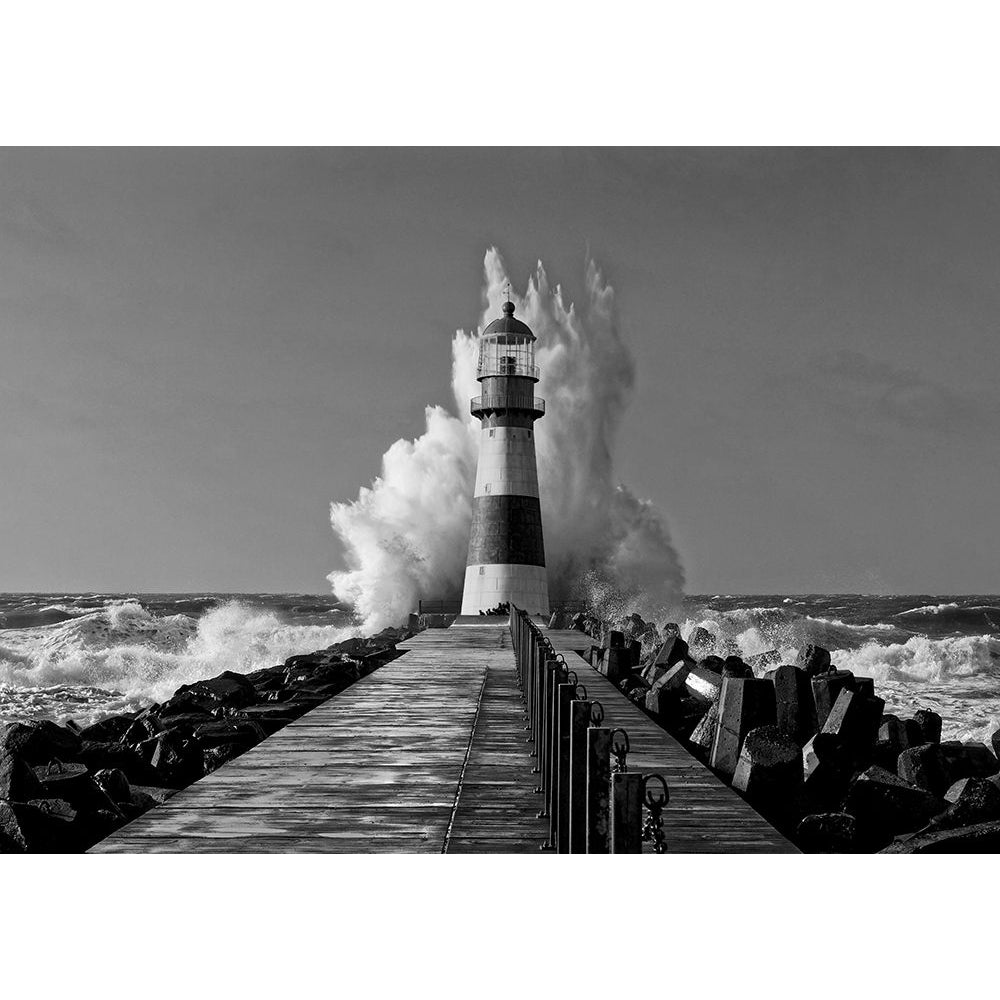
x=406, y=536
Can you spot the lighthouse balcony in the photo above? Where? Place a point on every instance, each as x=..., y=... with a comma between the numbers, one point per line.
x=499, y=401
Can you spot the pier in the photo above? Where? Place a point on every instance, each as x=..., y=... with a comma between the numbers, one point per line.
x=430, y=754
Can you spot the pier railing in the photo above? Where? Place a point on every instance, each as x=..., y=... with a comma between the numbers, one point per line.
x=594, y=804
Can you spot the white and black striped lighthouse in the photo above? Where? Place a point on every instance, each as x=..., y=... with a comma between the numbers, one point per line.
x=506, y=556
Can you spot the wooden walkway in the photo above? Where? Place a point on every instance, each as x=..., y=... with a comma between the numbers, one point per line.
x=426, y=754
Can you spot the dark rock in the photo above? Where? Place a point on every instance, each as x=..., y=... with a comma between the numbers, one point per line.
x=826, y=687
x=983, y=838
x=615, y=640
x=142, y=729
x=178, y=762
x=245, y=733
x=769, y=771
x=827, y=833
x=114, y=784
x=995, y=743
x=228, y=688
x=38, y=742
x=13, y=839
x=884, y=806
x=17, y=780
x=814, y=659
x=796, y=710
x=713, y=663
x=215, y=757
x=893, y=731
x=930, y=725
x=115, y=755
x=270, y=716
x=914, y=734
x=187, y=703
x=45, y=825
x=744, y=704
x=107, y=730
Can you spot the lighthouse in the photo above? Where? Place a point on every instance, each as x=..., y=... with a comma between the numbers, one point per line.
x=506, y=560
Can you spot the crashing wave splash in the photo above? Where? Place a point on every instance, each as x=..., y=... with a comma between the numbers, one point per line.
x=406, y=537
x=123, y=656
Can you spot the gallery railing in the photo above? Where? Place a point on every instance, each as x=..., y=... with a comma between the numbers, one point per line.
x=593, y=803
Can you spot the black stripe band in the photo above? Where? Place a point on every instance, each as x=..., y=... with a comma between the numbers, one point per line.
x=506, y=529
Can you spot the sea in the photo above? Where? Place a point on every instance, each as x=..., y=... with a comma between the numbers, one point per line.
x=87, y=656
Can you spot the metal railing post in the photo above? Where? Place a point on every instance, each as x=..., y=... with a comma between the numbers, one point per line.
x=598, y=791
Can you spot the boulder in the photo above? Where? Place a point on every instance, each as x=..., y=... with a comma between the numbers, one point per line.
x=826, y=688
x=245, y=733
x=930, y=725
x=107, y=730
x=228, y=688
x=924, y=767
x=796, y=710
x=744, y=704
x=115, y=755
x=983, y=838
x=214, y=757
x=142, y=728
x=13, y=839
x=769, y=771
x=814, y=659
x=43, y=825
x=114, y=784
x=17, y=780
x=38, y=742
x=885, y=806
x=187, y=703
x=827, y=833
x=178, y=762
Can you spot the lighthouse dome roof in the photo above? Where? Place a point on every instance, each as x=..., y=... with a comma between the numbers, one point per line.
x=506, y=325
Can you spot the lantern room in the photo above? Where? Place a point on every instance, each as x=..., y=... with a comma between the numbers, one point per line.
x=507, y=347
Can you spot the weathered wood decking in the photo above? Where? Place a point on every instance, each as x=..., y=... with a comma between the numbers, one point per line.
x=427, y=754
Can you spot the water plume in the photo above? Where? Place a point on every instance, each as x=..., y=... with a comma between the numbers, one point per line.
x=405, y=537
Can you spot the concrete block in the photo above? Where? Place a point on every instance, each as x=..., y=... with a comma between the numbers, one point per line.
x=671, y=651
x=930, y=725
x=769, y=771
x=854, y=720
x=814, y=659
x=703, y=685
x=704, y=733
x=825, y=688
x=795, y=707
x=744, y=704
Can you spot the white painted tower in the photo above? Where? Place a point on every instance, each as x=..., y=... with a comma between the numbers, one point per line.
x=506, y=560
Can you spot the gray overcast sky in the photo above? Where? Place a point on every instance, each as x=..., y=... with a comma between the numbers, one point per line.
x=199, y=349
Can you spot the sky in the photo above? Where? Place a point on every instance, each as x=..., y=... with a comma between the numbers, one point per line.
x=200, y=349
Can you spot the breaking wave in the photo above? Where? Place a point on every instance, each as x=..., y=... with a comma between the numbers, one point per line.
x=406, y=537
x=123, y=656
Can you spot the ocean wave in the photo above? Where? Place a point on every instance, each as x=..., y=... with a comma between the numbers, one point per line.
x=136, y=657
x=930, y=609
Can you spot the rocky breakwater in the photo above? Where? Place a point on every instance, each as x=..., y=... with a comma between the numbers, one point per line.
x=63, y=788
x=808, y=745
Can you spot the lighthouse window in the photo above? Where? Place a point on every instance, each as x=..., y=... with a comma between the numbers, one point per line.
x=487, y=487
x=492, y=433
x=482, y=571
